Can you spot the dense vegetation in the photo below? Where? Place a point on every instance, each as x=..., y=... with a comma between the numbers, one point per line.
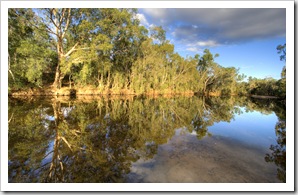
x=108, y=51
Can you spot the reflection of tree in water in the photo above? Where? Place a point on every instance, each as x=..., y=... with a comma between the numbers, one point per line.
x=278, y=155
x=97, y=141
x=27, y=140
x=213, y=110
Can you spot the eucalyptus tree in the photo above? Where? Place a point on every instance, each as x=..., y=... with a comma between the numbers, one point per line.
x=30, y=54
x=17, y=30
x=281, y=49
x=108, y=49
x=224, y=80
x=76, y=35
x=125, y=35
x=206, y=67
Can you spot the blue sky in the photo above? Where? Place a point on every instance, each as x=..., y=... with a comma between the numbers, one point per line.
x=245, y=38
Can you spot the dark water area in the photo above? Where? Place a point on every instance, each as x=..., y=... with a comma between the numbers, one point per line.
x=148, y=140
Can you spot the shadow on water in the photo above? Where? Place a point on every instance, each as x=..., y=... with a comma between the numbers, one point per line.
x=104, y=139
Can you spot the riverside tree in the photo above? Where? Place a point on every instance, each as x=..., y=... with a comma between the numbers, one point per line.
x=108, y=50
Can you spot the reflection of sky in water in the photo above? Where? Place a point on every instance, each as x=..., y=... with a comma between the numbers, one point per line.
x=49, y=153
x=50, y=118
x=251, y=127
x=234, y=153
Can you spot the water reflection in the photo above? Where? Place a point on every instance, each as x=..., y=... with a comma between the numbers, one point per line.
x=100, y=140
x=278, y=151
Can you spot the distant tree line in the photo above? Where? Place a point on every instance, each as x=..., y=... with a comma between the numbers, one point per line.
x=267, y=86
x=109, y=50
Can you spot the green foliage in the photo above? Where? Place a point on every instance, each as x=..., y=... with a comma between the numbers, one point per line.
x=267, y=86
x=281, y=49
x=108, y=49
x=158, y=33
x=30, y=53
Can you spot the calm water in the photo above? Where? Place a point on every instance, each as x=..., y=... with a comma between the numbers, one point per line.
x=118, y=139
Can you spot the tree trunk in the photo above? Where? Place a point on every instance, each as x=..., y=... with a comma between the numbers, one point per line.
x=55, y=173
x=69, y=79
x=57, y=84
x=205, y=85
x=58, y=75
x=10, y=69
x=58, y=79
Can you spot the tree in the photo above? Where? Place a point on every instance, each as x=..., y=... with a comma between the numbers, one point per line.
x=75, y=33
x=207, y=69
x=109, y=51
x=30, y=52
x=281, y=49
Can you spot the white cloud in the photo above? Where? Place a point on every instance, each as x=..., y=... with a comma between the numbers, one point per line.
x=209, y=43
x=194, y=49
x=142, y=19
x=156, y=13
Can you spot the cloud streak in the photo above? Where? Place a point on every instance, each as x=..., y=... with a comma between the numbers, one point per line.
x=209, y=27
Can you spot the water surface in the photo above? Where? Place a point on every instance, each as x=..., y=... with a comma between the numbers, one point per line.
x=129, y=139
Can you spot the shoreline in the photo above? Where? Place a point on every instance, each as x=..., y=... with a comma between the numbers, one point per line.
x=87, y=91
x=264, y=97
x=94, y=92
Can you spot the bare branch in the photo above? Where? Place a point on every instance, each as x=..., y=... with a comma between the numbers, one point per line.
x=67, y=23
x=71, y=50
x=11, y=117
x=83, y=48
x=41, y=166
x=51, y=17
x=48, y=154
x=61, y=17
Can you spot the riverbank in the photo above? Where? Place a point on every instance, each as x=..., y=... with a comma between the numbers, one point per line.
x=91, y=91
x=264, y=97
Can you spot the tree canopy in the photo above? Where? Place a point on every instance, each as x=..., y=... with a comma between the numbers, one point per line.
x=109, y=51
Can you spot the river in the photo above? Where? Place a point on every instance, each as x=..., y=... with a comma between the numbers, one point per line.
x=92, y=139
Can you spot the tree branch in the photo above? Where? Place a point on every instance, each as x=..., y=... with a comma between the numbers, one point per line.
x=63, y=138
x=51, y=17
x=67, y=23
x=11, y=117
x=71, y=50
x=34, y=25
x=61, y=17
x=83, y=48
x=10, y=70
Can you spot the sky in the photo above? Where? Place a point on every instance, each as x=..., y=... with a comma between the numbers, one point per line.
x=245, y=38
